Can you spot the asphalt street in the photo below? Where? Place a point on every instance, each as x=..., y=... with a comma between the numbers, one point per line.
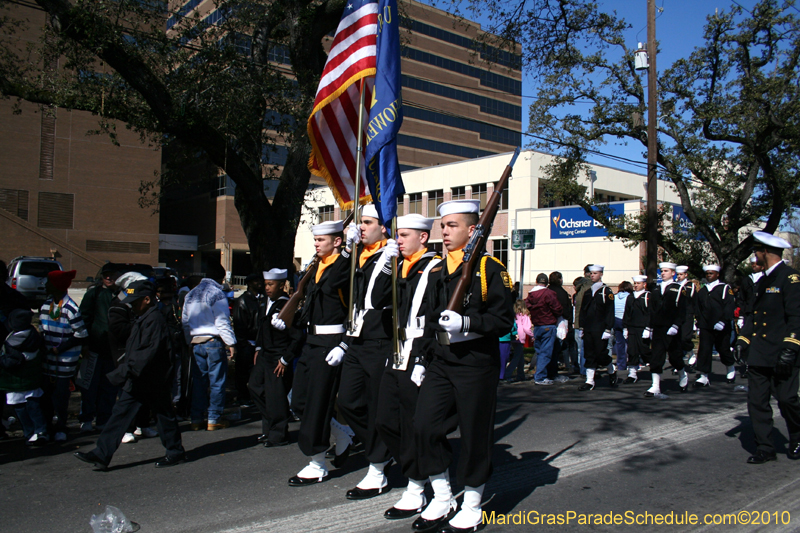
x=608, y=452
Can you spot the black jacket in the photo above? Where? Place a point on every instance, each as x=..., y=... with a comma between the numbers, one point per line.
x=775, y=322
x=716, y=305
x=637, y=311
x=246, y=314
x=146, y=370
x=325, y=302
x=597, y=310
x=275, y=344
x=120, y=323
x=669, y=307
x=565, y=301
x=377, y=321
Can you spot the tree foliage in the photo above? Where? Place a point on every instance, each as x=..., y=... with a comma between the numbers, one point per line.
x=728, y=115
x=220, y=92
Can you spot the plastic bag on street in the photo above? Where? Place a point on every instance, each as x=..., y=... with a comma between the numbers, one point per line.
x=561, y=328
x=112, y=521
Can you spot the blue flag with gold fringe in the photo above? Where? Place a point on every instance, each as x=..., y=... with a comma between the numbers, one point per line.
x=385, y=117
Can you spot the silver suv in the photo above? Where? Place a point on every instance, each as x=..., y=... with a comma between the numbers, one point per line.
x=29, y=274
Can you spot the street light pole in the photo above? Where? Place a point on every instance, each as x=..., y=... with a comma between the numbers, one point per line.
x=652, y=144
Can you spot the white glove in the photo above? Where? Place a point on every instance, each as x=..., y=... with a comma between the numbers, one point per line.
x=606, y=335
x=581, y=333
x=335, y=356
x=418, y=374
x=277, y=323
x=740, y=322
x=672, y=331
x=719, y=326
x=391, y=249
x=646, y=333
x=451, y=321
x=353, y=235
x=625, y=333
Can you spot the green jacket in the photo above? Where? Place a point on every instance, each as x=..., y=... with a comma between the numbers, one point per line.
x=584, y=286
x=94, y=310
x=24, y=377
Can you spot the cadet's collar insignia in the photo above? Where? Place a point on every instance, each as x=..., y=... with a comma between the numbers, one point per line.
x=794, y=278
x=773, y=290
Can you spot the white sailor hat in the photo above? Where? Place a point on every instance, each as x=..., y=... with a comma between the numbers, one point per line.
x=753, y=259
x=369, y=210
x=715, y=268
x=415, y=221
x=681, y=269
x=639, y=279
x=667, y=264
x=327, y=228
x=459, y=206
x=275, y=274
x=596, y=268
x=770, y=240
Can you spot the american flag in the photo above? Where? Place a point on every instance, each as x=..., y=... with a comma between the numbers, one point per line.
x=333, y=123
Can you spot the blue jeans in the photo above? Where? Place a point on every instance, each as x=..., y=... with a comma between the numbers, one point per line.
x=517, y=362
x=30, y=416
x=621, y=345
x=544, y=339
x=581, y=359
x=209, y=371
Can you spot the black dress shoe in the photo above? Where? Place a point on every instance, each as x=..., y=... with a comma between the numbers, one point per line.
x=262, y=438
x=794, y=451
x=612, y=379
x=398, y=514
x=270, y=444
x=171, y=460
x=730, y=380
x=685, y=388
x=630, y=380
x=422, y=526
x=303, y=481
x=674, y=371
x=586, y=386
x=452, y=529
x=761, y=457
x=339, y=460
x=365, y=494
x=92, y=459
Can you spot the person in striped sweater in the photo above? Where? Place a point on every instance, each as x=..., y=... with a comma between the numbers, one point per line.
x=64, y=333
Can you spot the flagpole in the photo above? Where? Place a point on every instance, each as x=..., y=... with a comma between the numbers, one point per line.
x=356, y=204
x=395, y=328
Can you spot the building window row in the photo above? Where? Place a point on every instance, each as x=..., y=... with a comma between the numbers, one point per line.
x=441, y=147
x=15, y=202
x=486, y=131
x=487, y=105
x=488, y=79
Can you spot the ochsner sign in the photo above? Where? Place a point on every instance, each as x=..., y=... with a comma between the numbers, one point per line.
x=575, y=223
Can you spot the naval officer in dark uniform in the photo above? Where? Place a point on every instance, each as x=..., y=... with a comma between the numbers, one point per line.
x=666, y=318
x=463, y=373
x=597, y=321
x=770, y=341
x=715, y=305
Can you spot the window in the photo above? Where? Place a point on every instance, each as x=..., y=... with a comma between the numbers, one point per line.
x=400, y=207
x=504, y=199
x=500, y=250
x=458, y=193
x=415, y=203
x=56, y=210
x=346, y=213
x=479, y=193
x=120, y=247
x=434, y=199
x=15, y=202
x=435, y=247
x=326, y=213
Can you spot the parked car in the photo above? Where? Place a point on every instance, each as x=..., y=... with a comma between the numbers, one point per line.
x=28, y=275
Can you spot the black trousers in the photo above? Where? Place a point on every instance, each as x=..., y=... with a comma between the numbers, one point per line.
x=269, y=393
x=710, y=338
x=687, y=334
x=638, y=348
x=472, y=390
x=763, y=384
x=124, y=413
x=595, y=349
x=242, y=368
x=397, y=402
x=362, y=372
x=313, y=396
x=664, y=345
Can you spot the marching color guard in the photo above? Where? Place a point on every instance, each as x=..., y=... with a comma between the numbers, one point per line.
x=715, y=305
x=669, y=312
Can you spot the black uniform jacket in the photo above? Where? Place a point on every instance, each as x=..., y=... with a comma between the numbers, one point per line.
x=274, y=343
x=146, y=370
x=120, y=324
x=637, y=311
x=597, y=310
x=377, y=321
x=716, y=305
x=325, y=302
x=775, y=322
x=246, y=314
x=488, y=311
x=669, y=307
x=690, y=293
x=406, y=289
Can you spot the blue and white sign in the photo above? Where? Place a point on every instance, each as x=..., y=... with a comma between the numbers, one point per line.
x=682, y=224
x=575, y=223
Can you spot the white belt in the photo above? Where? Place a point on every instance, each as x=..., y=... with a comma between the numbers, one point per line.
x=408, y=334
x=327, y=330
x=452, y=338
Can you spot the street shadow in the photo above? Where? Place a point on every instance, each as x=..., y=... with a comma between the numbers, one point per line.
x=219, y=447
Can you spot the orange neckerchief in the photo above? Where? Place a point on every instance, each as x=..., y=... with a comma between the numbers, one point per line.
x=408, y=262
x=454, y=258
x=369, y=251
x=323, y=264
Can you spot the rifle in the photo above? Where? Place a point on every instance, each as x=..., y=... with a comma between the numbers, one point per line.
x=474, y=248
x=288, y=311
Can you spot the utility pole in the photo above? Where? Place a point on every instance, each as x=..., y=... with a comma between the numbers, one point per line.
x=652, y=144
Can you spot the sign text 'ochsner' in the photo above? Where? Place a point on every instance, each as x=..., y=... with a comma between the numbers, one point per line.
x=575, y=223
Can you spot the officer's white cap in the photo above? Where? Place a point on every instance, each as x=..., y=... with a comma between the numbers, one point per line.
x=275, y=274
x=369, y=211
x=459, y=206
x=715, y=268
x=596, y=268
x=753, y=259
x=671, y=266
x=639, y=279
x=327, y=228
x=771, y=240
x=681, y=269
x=415, y=221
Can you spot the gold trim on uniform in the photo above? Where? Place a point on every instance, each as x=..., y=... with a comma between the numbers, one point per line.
x=744, y=339
x=794, y=341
